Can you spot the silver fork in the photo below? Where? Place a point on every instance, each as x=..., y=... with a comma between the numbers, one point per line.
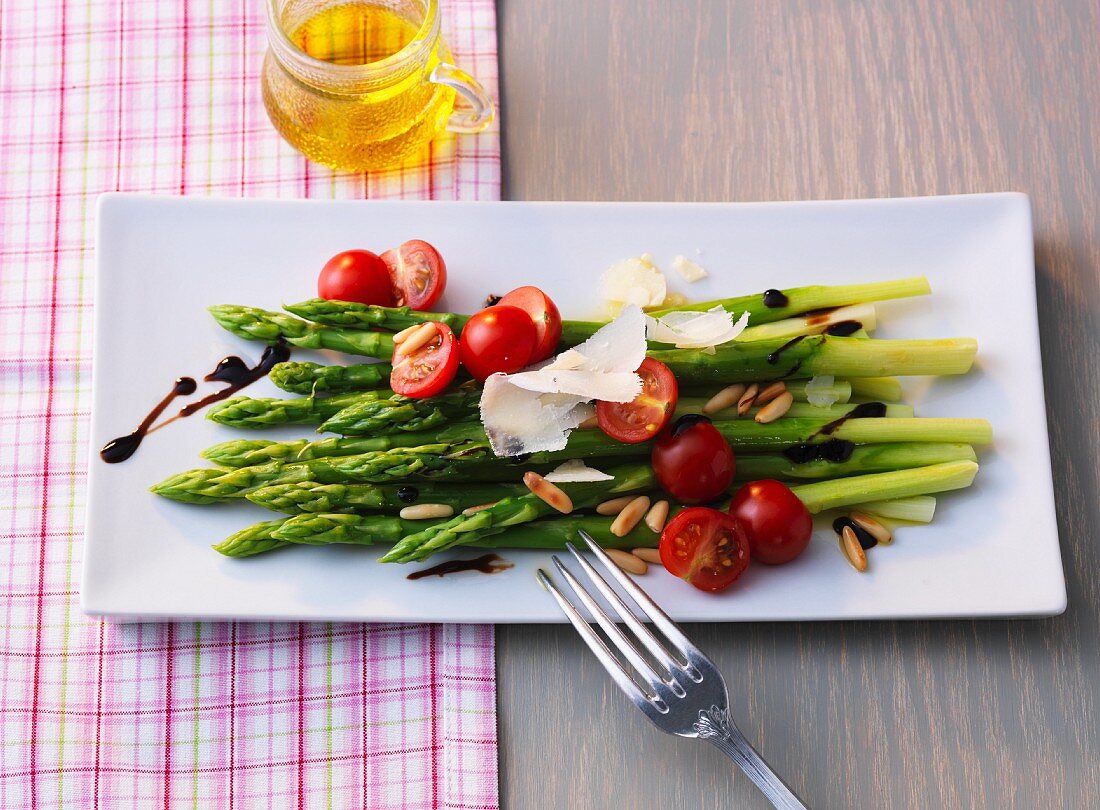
x=685, y=695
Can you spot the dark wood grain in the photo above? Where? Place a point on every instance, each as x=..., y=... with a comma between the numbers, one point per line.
x=709, y=100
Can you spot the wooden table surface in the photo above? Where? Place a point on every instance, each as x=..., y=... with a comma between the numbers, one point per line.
x=786, y=100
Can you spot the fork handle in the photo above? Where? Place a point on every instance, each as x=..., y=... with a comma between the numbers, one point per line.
x=715, y=727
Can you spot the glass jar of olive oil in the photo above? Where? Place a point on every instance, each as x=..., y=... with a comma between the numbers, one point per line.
x=363, y=85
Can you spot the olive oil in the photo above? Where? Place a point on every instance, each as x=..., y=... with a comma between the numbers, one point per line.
x=356, y=120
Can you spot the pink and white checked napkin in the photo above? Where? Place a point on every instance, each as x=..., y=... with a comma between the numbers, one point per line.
x=163, y=96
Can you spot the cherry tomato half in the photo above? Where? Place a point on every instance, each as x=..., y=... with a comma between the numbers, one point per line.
x=417, y=274
x=706, y=547
x=496, y=339
x=356, y=275
x=545, y=315
x=692, y=461
x=777, y=523
x=429, y=369
x=646, y=415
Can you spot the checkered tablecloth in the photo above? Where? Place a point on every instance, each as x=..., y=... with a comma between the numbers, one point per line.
x=163, y=96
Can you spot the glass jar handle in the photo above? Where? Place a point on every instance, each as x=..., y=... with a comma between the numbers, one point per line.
x=480, y=112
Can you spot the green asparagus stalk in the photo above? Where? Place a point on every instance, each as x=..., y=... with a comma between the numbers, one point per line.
x=353, y=315
x=313, y=378
x=458, y=460
x=372, y=418
x=252, y=540
x=323, y=529
x=250, y=452
x=313, y=497
x=812, y=323
x=917, y=509
x=799, y=300
x=264, y=412
x=251, y=323
x=466, y=529
x=866, y=458
x=886, y=486
x=820, y=354
x=841, y=389
x=878, y=389
x=798, y=410
x=805, y=299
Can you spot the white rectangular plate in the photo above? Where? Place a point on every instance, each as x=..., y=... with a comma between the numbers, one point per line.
x=991, y=551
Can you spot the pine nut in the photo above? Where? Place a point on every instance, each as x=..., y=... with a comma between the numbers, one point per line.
x=771, y=392
x=404, y=333
x=630, y=516
x=650, y=555
x=425, y=511
x=548, y=491
x=776, y=408
x=614, y=506
x=853, y=551
x=872, y=527
x=747, y=399
x=590, y=422
x=726, y=398
x=627, y=561
x=421, y=336
x=473, y=510
x=657, y=515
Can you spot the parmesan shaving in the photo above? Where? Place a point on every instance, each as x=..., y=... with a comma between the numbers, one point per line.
x=535, y=410
x=820, y=391
x=696, y=330
x=575, y=471
x=634, y=281
x=689, y=271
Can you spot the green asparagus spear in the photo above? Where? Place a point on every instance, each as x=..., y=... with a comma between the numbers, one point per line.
x=313, y=378
x=250, y=452
x=551, y=534
x=366, y=316
x=466, y=529
x=841, y=389
x=252, y=540
x=456, y=435
x=265, y=412
x=402, y=413
x=882, y=389
x=805, y=299
x=820, y=354
x=251, y=323
x=799, y=300
x=865, y=458
x=886, y=485
x=312, y=497
x=459, y=459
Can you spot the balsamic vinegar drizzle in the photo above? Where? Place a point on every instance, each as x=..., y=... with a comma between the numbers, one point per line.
x=834, y=449
x=865, y=410
x=123, y=447
x=235, y=371
x=773, y=358
x=232, y=370
x=837, y=450
x=843, y=328
x=486, y=564
x=774, y=299
x=408, y=494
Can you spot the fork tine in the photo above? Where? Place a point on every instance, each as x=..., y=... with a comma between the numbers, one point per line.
x=618, y=638
x=650, y=608
x=656, y=649
x=612, y=664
